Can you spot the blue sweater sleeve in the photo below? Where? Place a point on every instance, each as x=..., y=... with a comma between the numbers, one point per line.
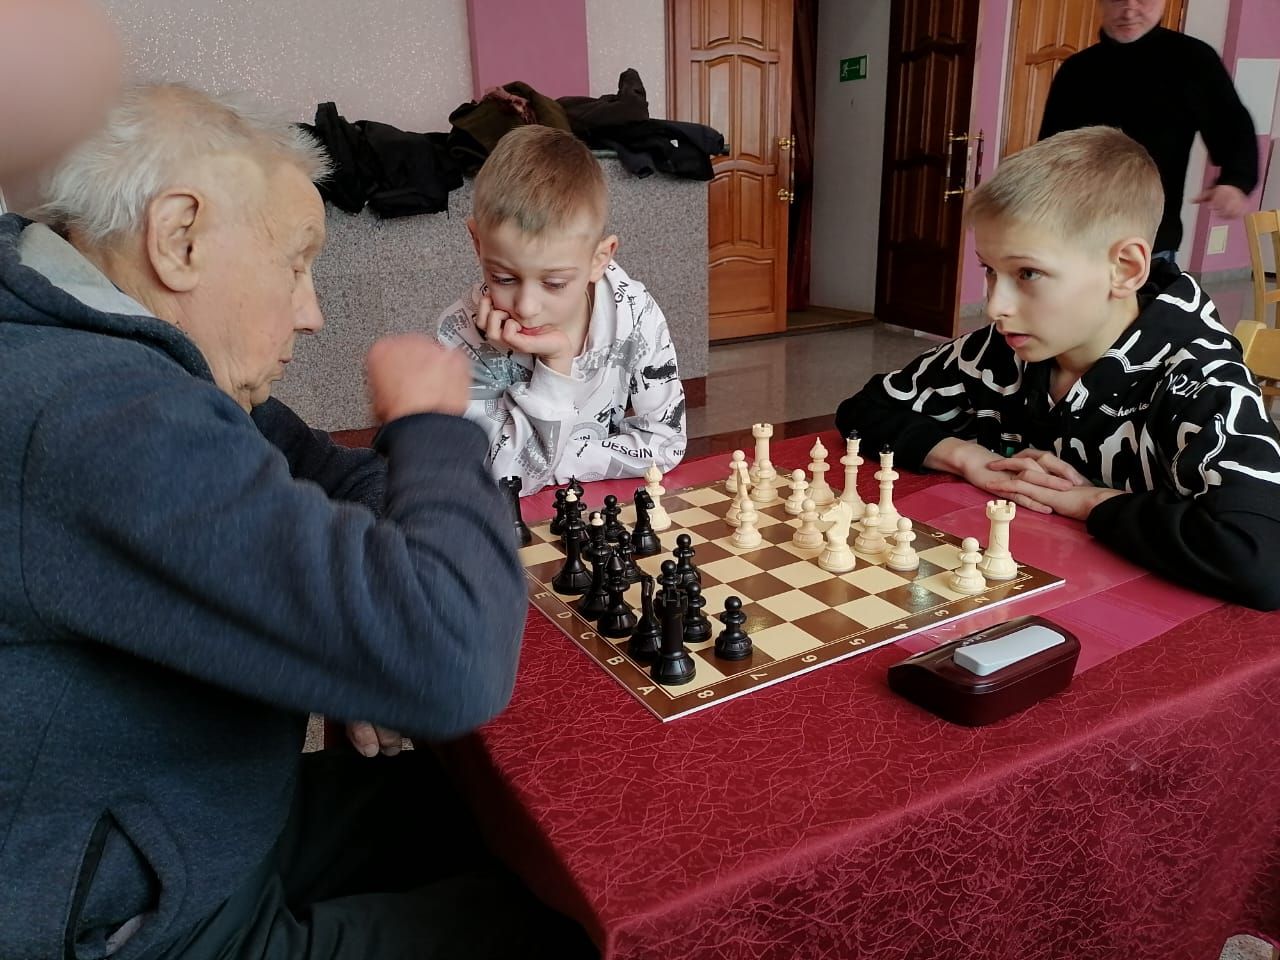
x=358, y=475
x=158, y=521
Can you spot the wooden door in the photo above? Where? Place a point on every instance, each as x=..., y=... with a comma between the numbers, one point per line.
x=931, y=60
x=730, y=68
x=1046, y=32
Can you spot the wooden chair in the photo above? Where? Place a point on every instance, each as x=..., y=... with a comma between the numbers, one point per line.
x=1261, y=226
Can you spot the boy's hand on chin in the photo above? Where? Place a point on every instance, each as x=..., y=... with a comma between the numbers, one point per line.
x=550, y=344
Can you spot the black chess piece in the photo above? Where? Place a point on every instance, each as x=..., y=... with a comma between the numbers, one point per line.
x=686, y=572
x=697, y=628
x=511, y=487
x=557, y=525
x=596, y=600
x=630, y=571
x=576, y=487
x=612, y=526
x=674, y=666
x=573, y=578
x=643, y=646
x=644, y=539
x=733, y=642
x=619, y=619
x=573, y=507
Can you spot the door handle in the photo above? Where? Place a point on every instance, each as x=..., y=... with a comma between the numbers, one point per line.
x=786, y=147
x=952, y=139
x=972, y=159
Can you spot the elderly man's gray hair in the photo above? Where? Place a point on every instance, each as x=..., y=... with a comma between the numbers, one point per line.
x=150, y=141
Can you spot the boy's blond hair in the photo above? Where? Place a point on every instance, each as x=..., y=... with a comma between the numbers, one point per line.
x=1093, y=186
x=541, y=179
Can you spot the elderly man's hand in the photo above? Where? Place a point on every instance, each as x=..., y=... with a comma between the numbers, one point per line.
x=411, y=373
x=370, y=739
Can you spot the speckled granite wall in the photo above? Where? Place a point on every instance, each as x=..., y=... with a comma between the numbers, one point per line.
x=388, y=276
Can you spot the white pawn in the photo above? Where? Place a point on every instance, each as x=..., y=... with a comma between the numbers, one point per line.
x=765, y=490
x=903, y=556
x=997, y=562
x=762, y=432
x=742, y=497
x=820, y=491
x=809, y=535
x=967, y=579
x=747, y=535
x=852, y=461
x=795, y=502
x=658, y=517
x=837, y=557
x=870, y=541
x=731, y=484
x=886, y=475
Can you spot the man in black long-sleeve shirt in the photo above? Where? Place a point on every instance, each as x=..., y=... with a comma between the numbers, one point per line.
x=1160, y=87
x=1105, y=388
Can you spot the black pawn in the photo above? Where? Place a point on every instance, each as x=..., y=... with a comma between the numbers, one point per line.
x=511, y=487
x=643, y=647
x=630, y=572
x=686, y=572
x=557, y=525
x=612, y=526
x=697, y=628
x=733, y=642
x=619, y=619
x=573, y=515
x=674, y=666
x=644, y=539
x=596, y=600
x=573, y=578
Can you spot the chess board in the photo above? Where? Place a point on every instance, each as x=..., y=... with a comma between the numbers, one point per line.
x=799, y=616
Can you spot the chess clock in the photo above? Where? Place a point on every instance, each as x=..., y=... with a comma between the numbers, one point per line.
x=989, y=674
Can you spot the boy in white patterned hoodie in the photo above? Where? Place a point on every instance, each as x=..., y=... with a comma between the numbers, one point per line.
x=561, y=340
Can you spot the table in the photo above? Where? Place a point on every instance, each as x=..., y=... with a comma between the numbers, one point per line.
x=1135, y=815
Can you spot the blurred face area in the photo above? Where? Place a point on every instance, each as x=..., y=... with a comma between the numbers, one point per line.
x=542, y=281
x=1049, y=298
x=1127, y=20
x=253, y=291
x=59, y=72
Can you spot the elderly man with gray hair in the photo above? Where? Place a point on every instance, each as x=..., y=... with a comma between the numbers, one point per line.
x=179, y=585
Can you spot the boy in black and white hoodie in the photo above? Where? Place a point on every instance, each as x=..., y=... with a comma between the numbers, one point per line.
x=1105, y=389
x=561, y=340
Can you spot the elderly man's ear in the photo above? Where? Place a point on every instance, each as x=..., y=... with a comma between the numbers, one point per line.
x=177, y=232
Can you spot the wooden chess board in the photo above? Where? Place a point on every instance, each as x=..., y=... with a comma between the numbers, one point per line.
x=799, y=616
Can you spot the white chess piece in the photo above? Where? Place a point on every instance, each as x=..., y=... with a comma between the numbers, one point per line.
x=967, y=579
x=808, y=535
x=836, y=557
x=997, y=562
x=731, y=484
x=747, y=535
x=820, y=491
x=886, y=475
x=870, y=541
x=658, y=515
x=762, y=432
x=765, y=490
x=742, y=497
x=903, y=556
x=852, y=461
x=795, y=502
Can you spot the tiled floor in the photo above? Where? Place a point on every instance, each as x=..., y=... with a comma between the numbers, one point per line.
x=806, y=375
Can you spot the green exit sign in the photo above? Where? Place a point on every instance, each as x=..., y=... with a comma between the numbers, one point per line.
x=854, y=68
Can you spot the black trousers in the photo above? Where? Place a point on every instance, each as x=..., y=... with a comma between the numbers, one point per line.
x=380, y=861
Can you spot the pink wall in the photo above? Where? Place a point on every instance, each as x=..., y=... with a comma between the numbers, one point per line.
x=986, y=111
x=544, y=44
x=1253, y=31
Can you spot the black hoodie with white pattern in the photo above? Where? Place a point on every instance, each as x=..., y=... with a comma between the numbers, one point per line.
x=1169, y=414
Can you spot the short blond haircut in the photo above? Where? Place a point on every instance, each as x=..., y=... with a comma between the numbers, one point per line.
x=541, y=179
x=1093, y=186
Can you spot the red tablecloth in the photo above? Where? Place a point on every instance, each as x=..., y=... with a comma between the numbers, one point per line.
x=1135, y=815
